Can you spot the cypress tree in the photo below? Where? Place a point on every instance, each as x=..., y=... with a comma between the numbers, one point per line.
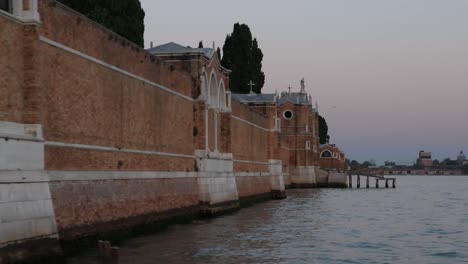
x=243, y=57
x=200, y=44
x=218, y=51
x=124, y=17
x=323, y=130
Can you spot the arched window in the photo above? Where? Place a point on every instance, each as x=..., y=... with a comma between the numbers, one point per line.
x=213, y=98
x=326, y=154
x=222, y=96
x=205, y=86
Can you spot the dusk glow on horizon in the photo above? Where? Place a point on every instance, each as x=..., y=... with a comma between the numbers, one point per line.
x=390, y=77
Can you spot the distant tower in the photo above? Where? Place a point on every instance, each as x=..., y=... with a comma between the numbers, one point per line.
x=461, y=158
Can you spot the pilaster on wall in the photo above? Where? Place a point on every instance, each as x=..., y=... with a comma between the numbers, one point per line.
x=32, y=94
x=26, y=10
x=26, y=211
x=278, y=186
x=216, y=182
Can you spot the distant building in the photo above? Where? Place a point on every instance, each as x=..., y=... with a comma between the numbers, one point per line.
x=425, y=159
x=331, y=157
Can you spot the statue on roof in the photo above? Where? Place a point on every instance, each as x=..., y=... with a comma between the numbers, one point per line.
x=303, y=85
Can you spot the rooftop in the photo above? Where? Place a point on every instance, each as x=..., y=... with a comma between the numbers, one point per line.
x=280, y=99
x=255, y=98
x=172, y=48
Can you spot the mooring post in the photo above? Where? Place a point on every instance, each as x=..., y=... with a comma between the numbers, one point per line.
x=367, y=183
x=376, y=183
x=386, y=184
x=114, y=256
x=358, y=184
x=350, y=181
x=394, y=183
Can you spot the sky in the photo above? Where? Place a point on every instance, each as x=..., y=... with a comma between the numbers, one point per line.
x=390, y=76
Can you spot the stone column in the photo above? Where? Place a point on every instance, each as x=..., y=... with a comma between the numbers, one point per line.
x=278, y=188
x=26, y=10
x=27, y=220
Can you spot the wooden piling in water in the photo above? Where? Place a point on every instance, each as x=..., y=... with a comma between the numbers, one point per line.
x=350, y=181
x=358, y=183
x=386, y=184
x=376, y=183
x=394, y=183
x=107, y=253
x=367, y=183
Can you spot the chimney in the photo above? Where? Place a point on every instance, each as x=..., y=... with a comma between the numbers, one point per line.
x=151, y=44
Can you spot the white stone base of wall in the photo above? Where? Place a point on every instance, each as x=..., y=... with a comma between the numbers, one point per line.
x=337, y=179
x=322, y=178
x=26, y=209
x=331, y=179
x=303, y=176
x=277, y=178
x=216, y=182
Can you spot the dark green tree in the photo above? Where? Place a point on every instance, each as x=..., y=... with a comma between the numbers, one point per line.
x=323, y=130
x=124, y=17
x=243, y=57
x=200, y=44
x=354, y=164
x=218, y=51
x=366, y=164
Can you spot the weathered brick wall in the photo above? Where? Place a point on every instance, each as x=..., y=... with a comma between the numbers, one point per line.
x=87, y=207
x=249, y=143
x=331, y=163
x=72, y=159
x=89, y=104
x=11, y=70
x=249, y=114
x=253, y=186
x=84, y=102
x=63, y=25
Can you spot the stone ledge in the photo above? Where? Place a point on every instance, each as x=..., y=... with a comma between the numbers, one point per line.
x=35, y=250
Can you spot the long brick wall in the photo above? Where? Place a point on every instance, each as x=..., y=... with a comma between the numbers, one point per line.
x=89, y=207
x=249, y=139
x=11, y=70
x=63, y=25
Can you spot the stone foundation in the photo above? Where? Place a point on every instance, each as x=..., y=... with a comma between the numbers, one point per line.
x=338, y=180
x=27, y=217
x=303, y=177
x=331, y=179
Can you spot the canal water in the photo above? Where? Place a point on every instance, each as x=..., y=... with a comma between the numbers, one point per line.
x=423, y=220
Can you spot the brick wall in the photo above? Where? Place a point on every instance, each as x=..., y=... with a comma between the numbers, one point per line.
x=253, y=186
x=63, y=25
x=11, y=70
x=249, y=143
x=87, y=207
x=80, y=101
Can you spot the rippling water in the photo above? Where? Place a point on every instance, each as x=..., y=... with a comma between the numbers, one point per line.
x=423, y=220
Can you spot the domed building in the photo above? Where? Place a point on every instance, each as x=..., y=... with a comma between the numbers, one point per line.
x=461, y=158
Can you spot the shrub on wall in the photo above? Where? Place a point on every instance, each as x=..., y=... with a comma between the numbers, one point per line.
x=124, y=17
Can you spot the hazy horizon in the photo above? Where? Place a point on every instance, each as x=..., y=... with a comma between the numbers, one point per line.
x=391, y=77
